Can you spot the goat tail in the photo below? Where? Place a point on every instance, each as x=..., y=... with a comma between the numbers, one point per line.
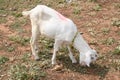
x=26, y=13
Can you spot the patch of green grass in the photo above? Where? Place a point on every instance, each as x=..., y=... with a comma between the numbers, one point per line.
x=3, y=15
x=21, y=40
x=2, y=4
x=3, y=59
x=3, y=20
x=105, y=30
x=10, y=48
x=97, y=7
x=116, y=51
x=76, y=11
x=117, y=5
x=116, y=22
x=17, y=15
x=17, y=25
x=115, y=64
x=61, y=1
x=47, y=43
x=92, y=0
x=25, y=57
x=109, y=41
x=25, y=72
x=3, y=12
x=18, y=72
x=118, y=32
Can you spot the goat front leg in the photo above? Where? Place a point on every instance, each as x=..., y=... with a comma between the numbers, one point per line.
x=71, y=55
x=56, y=48
x=33, y=42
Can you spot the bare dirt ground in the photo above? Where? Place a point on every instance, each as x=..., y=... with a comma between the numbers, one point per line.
x=98, y=20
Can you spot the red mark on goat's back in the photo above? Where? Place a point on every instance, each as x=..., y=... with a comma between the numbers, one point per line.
x=62, y=17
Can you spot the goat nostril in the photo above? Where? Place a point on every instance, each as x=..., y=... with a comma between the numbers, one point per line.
x=92, y=58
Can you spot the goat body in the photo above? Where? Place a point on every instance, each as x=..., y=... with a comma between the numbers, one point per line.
x=50, y=23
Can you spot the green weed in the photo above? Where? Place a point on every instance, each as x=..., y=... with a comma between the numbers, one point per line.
x=3, y=59
x=17, y=15
x=25, y=57
x=92, y=0
x=116, y=22
x=97, y=7
x=2, y=20
x=48, y=43
x=76, y=11
x=3, y=15
x=25, y=72
x=109, y=41
x=118, y=32
x=116, y=51
x=117, y=5
x=115, y=64
x=17, y=25
x=105, y=30
x=2, y=4
x=18, y=39
x=10, y=49
x=61, y=1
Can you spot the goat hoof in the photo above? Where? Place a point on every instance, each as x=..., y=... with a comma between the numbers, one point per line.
x=74, y=62
x=37, y=59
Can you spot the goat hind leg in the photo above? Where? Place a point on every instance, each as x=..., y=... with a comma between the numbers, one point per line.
x=33, y=43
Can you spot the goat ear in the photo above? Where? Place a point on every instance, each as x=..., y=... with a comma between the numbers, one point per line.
x=88, y=64
x=94, y=50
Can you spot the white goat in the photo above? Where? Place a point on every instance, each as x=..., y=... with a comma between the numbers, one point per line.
x=50, y=23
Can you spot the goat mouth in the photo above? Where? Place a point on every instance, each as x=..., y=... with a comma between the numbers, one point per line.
x=82, y=64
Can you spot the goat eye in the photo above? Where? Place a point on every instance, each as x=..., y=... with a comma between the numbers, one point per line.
x=95, y=55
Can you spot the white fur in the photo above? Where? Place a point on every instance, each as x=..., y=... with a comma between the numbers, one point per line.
x=50, y=23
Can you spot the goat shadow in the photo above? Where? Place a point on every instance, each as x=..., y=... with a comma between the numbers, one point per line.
x=94, y=69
